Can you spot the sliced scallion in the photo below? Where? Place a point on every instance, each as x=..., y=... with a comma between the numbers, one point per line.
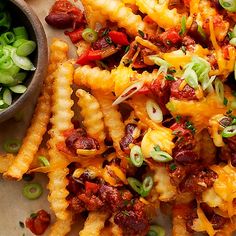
x=43, y=161
x=160, y=156
x=191, y=78
x=135, y=184
x=183, y=25
x=233, y=42
x=26, y=48
x=229, y=131
x=5, y=78
x=229, y=5
x=136, y=156
x=32, y=191
x=156, y=230
x=12, y=145
x=20, y=32
x=219, y=89
x=9, y=37
x=89, y=35
x=154, y=111
x=18, y=88
x=147, y=186
x=7, y=97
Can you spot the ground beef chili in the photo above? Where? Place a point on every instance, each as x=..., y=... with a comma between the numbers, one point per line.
x=230, y=150
x=133, y=220
x=38, y=223
x=198, y=181
x=78, y=139
x=128, y=138
x=187, y=93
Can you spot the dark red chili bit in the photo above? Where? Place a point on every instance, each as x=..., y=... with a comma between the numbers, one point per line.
x=38, y=223
x=91, y=187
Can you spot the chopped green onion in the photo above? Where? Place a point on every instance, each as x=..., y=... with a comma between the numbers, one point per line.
x=225, y=102
x=19, y=42
x=219, y=89
x=20, y=77
x=154, y=111
x=20, y=32
x=43, y=161
x=5, y=21
x=183, y=25
x=160, y=62
x=156, y=230
x=12, y=145
x=229, y=131
x=229, y=5
x=26, y=48
x=18, y=88
x=23, y=62
x=89, y=35
x=191, y=78
x=132, y=89
x=172, y=166
x=7, y=64
x=141, y=33
x=7, y=98
x=127, y=48
x=147, y=186
x=135, y=184
x=9, y=37
x=136, y=156
x=233, y=42
x=160, y=156
x=32, y=191
x=170, y=77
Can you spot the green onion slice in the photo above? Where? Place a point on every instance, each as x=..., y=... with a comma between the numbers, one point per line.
x=12, y=145
x=136, y=156
x=219, y=89
x=9, y=37
x=132, y=89
x=43, y=161
x=147, y=186
x=7, y=97
x=229, y=5
x=183, y=25
x=160, y=62
x=32, y=191
x=160, y=156
x=89, y=35
x=135, y=185
x=154, y=111
x=26, y=48
x=23, y=62
x=20, y=32
x=191, y=78
x=229, y=131
x=156, y=230
x=18, y=88
x=233, y=42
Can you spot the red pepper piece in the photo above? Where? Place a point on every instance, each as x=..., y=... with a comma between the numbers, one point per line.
x=173, y=36
x=144, y=90
x=91, y=187
x=75, y=35
x=119, y=37
x=90, y=55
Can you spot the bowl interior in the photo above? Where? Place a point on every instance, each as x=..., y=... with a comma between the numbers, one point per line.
x=23, y=15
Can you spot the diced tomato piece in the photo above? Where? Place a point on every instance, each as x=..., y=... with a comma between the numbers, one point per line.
x=119, y=37
x=91, y=187
x=75, y=36
x=90, y=55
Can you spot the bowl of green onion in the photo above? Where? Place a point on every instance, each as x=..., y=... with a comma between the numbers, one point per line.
x=23, y=57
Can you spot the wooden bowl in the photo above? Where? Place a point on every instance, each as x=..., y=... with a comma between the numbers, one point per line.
x=23, y=15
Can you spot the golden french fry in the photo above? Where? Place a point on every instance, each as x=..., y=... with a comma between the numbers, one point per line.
x=61, y=121
x=5, y=162
x=160, y=13
x=93, y=78
x=112, y=118
x=163, y=186
x=94, y=223
x=40, y=118
x=61, y=227
x=180, y=212
x=116, y=11
x=92, y=114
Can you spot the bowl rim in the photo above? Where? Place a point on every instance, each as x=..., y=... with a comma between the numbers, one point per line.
x=42, y=62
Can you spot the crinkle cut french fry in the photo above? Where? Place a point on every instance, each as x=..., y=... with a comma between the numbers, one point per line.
x=5, y=162
x=180, y=212
x=112, y=118
x=61, y=121
x=159, y=13
x=61, y=227
x=94, y=223
x=163, y=186
x=93, y=78
x=92, y=114
x=116, y=11
x=93, y=17
x=40, y=118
